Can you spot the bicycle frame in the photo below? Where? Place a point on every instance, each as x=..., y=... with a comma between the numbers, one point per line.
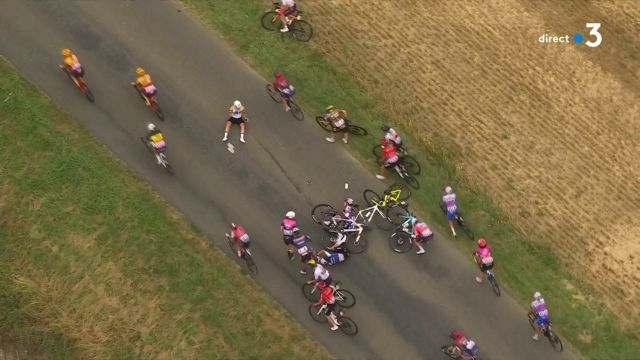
x=408, y=225
x=356, y=228
x=368, y=213
x=393, y=195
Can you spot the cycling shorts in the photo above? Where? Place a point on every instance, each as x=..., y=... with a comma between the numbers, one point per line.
x=330, y=308
x=392, y=161
x=307, y=257
x=288, y=239
x=542, y=321
x=236, y=121
x=422, y=239
x=485, y=267
x=451, y=215
x=291, y=10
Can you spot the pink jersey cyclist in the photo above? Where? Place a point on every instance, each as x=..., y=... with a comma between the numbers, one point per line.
x=288, y=226
x=422, y=232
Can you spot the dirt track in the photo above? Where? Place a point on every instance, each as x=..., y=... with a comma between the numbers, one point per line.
x=551, y=131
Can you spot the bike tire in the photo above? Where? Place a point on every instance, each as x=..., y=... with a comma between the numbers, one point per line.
x=494, y=285
x=377, y=151
x=411, y=180
x=251, y=265
x=532, y=321
x=296, y=111
x=273, y=93
x=411, y=164
x=348, y=300
x=446, y=351
x=465, y=228
x=357, y=130
x=555, y=341
x=301, y=30
x=310, y=292
x=324, y=124
x=371, y=197
x=382, y=222
x=405, y=192
x=89, y=95
x=348, y=326
x=357, y=248
x=232, y=246
x=396, y=214
x=158, y=111
x=270, y=21
x=169, y=169
x=318, y=213
x=316, y=314
x=400, y=242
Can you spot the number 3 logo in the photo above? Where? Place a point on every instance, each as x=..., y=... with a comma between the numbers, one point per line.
x=594, y=32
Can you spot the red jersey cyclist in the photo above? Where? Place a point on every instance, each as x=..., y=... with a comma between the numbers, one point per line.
x=463, y=347
x=286, y=90
x=389, y=157
x=483, y=258
x=326, y=297
x=241, y=237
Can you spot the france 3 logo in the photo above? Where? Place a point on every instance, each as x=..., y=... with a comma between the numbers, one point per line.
x=577, y=38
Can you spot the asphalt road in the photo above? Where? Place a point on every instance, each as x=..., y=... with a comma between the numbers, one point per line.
x=406, y=304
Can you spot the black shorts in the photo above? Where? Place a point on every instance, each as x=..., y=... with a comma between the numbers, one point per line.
x=484, y=267
x=423, y=239
x=338, y=130
x=236, y=121
x=330, y=308
x=288, y=240
x=305, y=258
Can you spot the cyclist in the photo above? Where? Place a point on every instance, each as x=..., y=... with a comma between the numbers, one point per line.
x=541, y=314
x=303, y=245
x=156, y=139
x=238, y=116
x=421, y=234
x=349, y=209
x=484, y=258
x=288, y=227
x=286, y=9
x=71, y=63
x=326, y=297
x=389, y=157
x=449, y=202
x=286, y=90
x=339, y=244
x=320, y=274
x=328, y=257
x=338, y=123
x=241, y=237
x=144, y=84
x=392, y=135
x=463, y=347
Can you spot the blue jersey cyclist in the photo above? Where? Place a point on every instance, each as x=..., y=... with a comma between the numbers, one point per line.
x=302, y=244
x=541, y=314
x=449, y=202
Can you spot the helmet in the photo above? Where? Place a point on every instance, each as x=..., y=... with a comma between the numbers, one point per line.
x=290, y=215
x=455, y=334
x=385, y=128
x=140, y=71
x=537, y=295
x=151, y=127
x=66, y=52
x=312, y=262
x=482, y=242
x=348, y=201
x=234, y=226
x=448, y=190
x=237, y=104
x=277, y=74
x=330, y=107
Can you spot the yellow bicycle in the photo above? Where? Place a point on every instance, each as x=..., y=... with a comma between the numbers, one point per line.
x=394, y=195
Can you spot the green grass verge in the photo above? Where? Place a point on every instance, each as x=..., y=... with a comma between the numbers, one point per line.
x=94, y=265
x=523, y=264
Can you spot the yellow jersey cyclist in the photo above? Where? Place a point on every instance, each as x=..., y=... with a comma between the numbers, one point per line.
x=71, y=63
x=156, y=140
x=144, y=85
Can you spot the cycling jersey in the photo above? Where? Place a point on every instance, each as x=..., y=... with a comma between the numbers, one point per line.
x=157, y=139
x=349, y=211
x=235, y=112
x=449, y=201
x=320, y=273
x=335, y=258
x=390, y=154
x=422, y=229
x=392, y=135
x=326, y=296
x=240, y=234
x=145, y=83
x=485, y=255
x=74, y=64
x=540, y=311
x=302, y=244
x=288, y=227
x=281, y=83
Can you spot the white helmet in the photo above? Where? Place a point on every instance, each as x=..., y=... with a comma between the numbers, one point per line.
x=448, y=190
x=537, y=295
x=290, y=215
x=151, y=127
x=237, y=104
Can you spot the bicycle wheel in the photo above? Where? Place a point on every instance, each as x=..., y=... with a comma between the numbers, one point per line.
x=320, y=212
x=405, y=192
x=251, y=265
x=324, y=124
x=356, y=130
x=382, y=222
x=270, y=21
x=400, y=242
x=532, y=321
x=317, y=313
x=411, y=164
x=273, y=93
x=360, y=246
x=412, y=181
x=396, y=214
x=89, y=94
x=446, y=349
x=296, y=111
x=377, y=151
x=345, y=298
x=465, y=228
x=301, y=30
x=348, y=326
x=371, y=197
x=156, y=110
x=555, y=341
x=310, y=292
x=494, y=284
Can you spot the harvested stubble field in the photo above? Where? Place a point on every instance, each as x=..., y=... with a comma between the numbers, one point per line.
x=550, y=131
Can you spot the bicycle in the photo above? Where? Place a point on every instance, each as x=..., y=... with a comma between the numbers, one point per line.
x=448, y=350
x=153, y=104
x=325, y=215
x=159, y=154
x=394, y=195
x=327, y=125
x=299, y=29
x=401, y=240
x=402, y=170
x=548, y=332
x=409, y=161
x=276, y=96
x=490, y=277
x=460, y=220
x=245, y=254
x=343, y=297
x=346, y=324
x=79, y=83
